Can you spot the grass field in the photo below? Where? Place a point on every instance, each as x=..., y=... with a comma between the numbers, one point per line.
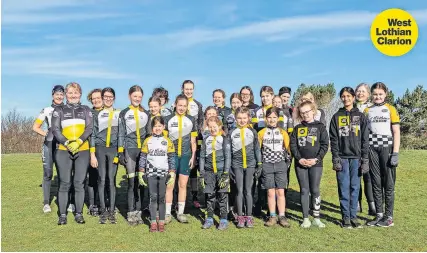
x=26, y=228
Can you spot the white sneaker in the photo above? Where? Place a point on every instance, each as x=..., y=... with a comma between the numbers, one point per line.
x=316, y=222
x=71, y=208
x=306, y=223
x=47, y=209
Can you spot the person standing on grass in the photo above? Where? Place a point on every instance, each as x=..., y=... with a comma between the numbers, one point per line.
x=182, y=130
x=349, y=137
x=163, y=94
x=134, y=126
x=246, y=162
x=384, y=143
x=157, y=170
x=215, y=163
x=72, y=125
x=319, y=115
x=218, y=97
x=363, y=95
x=235, y=102
x=309, y=144
x=49, y=143
x=274, y=142
x=248, y=98
x=285, y=95
x=104, y=151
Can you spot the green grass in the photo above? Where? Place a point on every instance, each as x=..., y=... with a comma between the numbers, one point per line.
x=26, y=228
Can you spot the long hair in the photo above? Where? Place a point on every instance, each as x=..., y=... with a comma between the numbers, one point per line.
x=137, y=88
x=251, y=99
x=297, y=114
x=205, y=124
x=217, y=121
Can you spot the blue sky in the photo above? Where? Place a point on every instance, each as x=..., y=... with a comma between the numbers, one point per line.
x=218, y=44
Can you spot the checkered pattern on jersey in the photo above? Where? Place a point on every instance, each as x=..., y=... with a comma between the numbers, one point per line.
x=271, y=156
x=378, y=140
x=154, y=172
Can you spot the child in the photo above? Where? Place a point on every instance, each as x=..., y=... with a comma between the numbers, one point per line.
x=215, y=162
x=274, y=143
x=154, y=104
x=309, y=144
x=319, y=114
x=246, y=161
x=285, y=118
x=218, y=97
x=163, y=94
x=157, y=169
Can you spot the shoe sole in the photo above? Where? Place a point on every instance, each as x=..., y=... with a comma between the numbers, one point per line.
x=49, y=211
x=391, y=225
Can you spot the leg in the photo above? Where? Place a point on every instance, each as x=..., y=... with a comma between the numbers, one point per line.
x=302, y=176
x=153, y=184
x=281, y=202
x=281, y=183
x=93, y=181
x=210, y=204
x=65, y=165
x=183, y=175
x=161, y=198
x=248, y=181
x=368, y=192
x=272, y=201
x=101, y=156
x=389, y=178
x=131, y=174
x=268, y=183
x=315, y=175
x=111, y=182
x=222, y=198
x=374, y=170
x=343, y=180
x=194, y=186
x=81, y=165
x=239, y=185
x=47, y=159
x=354, y=186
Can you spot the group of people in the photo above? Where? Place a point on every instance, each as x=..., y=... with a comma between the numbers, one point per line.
x=234, y=153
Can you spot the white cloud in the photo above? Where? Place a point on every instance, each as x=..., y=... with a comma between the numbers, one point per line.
x=38, y=18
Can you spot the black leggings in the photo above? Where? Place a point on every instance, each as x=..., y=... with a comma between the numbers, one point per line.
x=135, y=191
x=244, y=181
x=309, y=182
x=367, y=188
x=66, y=163
x=92, y=184
x=194, y=184
x=157, y=186
x=222, y=199
x=48, y=154
x=106, y=168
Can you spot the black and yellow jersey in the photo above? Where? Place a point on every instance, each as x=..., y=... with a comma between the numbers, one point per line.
x=195, y=109
x=105, y=129
x=274, y=144
x=157, y=156
x=71, y=122
x=230, y=121
x=164, y=111
x=259, y=118
x=215, y=154
x=380, y=119
x=180, y=130
x=362, y=106
x=246, y=152
x=46, y=116
x=134, y=126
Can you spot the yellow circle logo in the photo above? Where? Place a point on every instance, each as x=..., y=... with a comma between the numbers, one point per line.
x=394, y=32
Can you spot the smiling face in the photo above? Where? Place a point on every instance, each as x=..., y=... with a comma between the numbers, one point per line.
x=347, y=99
x=73, y=95
x=242, y=119
x=135, y=98
x=218, y=99
x=188, y=90
x=211, y=113
x=58, y=97
x=285, y=98
x=108, y=99
x=307, y=113
x=277, y=102
x=154, y=107
x=378, y=96
x=96, y=100
x=266, y=98
x=158, y=128
x=181, y=106
x=272, y=120
x=213, y=128
x=246, y=96
x=236, y=103
x=362, y=94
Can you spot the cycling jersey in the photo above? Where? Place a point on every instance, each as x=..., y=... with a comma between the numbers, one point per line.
x=46, y=116
x=286, y=118
x=259, y=119
x=230, y=121
x=320, y=116
x=195, y=109
x=215, y=155
x=380, y=119
x=288, y=109
x=245, y=147
x=157, y=156
x=223, y=113
x=362, y=106
x=71, y=122
x=134, y=126
x=274, y=144
x=180, y=130
x=105, y=129
x=164, y=112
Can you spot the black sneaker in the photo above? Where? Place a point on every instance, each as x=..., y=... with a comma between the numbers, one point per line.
x=355, y=223
x=79, y=218
x=375, y=221
x=386, y=222
x=103, y=217
x=62, y=219
x=346, y=223
x=112, y=217
x=93, y=210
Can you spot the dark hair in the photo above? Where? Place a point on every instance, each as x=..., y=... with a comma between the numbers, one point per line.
x=272, y=110
x=157, y=119
x=379, y=85
x=180, y=97
x=220, y=91
x=210, y=108
x=285, y=89
x=154, y=99
x=185, y=82
x=137, y=88
x=108, y=89
x=349, y=90
x=89, y=96
x=58, y=88
x=251, y=99
x=267, y=89
x=236, y=95
x=161, y=92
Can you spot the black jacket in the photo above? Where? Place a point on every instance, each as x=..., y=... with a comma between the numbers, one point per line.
x=309, y=141
x=349, y=134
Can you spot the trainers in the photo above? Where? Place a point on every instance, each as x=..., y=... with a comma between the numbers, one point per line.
x=386, y=222
x=131, y=218
x=223, y=224
x=317, y=223
x=112, y=217
x=355, y=223
x=153, y=227
x=249, y=221
x=271, y=221
x=103, y=217
x=93, y=210
x=240, y=221
x=168, y=218
x=208, y=223
x=71, y=208
x=182, y=218
x=47, y=209
x=306, y=223
x=375, y=221
x=138, y=217
x=346, y=223
x=79, y=218
x=196, y=204
x=284, y=222
x=62, y=219
x=161, y=227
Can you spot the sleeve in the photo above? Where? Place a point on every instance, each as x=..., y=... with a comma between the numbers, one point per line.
x=281, y=122
x=88, y=125
x=257, y=148
x=294, y=145
x=143, y=155
x=171, y=155
x=365, y=137
x=324, y=143
x=200, y=117
x=94, y=133
x=261, y=137
x=286, y=141
x=334, y=137
x=322, y=117
x=202, y=158
x=56, y=125
x=227, y=154
x=194, y=132
x=122, y=131
x=148, y=128
x=290, y=123
x=42, y=116
x=394, y=116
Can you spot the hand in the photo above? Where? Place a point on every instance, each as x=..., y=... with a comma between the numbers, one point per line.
x=364, y=166
x=191, y=163
x=394, y=159
x=122, y=158
x=202, y=182
x=288, y=157
x=170, y=178
x=224, y=181
x=258, y=171
x=311, y=162
x=303, y=162
x=116, y=160
x=336, y=164
x=142, y=178
x=93, y=161
x=73, y=146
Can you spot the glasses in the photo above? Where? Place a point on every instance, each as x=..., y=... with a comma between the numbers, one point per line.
x=108, y=97
x=245, y=94
x=306, y=112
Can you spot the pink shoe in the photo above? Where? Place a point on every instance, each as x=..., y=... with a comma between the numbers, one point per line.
x=196, y=204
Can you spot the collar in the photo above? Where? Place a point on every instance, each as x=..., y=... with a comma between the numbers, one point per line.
x=179, y=115
x=243, y=127
x=191, y=99
x=381, y=104
x=73, y=105
x=155, y=135
x=55, y=105
x=267, y=107
x=270, y=127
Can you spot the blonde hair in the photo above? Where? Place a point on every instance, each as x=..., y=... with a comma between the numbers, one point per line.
x=296, y=114
x=367, y=88
x=89, y=96
x=217, y=121
x=307, y=94
x=73, y=85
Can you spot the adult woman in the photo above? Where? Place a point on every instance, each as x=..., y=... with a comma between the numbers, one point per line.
x=285, y=95
x=384, y=142
x=134, y=126
x=349, y=135
x=195, y=108
x=319, y=114
x=49, y=144
x=218, y=97
x=248, y=98
x=103, y=150
x=72, y=126
x=362, y=97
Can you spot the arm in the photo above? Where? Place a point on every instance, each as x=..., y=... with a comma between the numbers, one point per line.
x=365, y=137
x=148, y=129
x=395, y=127
x=171, y=156
x=143, y=156
x=200, y=118
x=294, y=146
x=122, y=132
x=202, y=158
x=286, y=141
x=88, y=125
x=322, y=117
x=334, y=137
x=194, y=134
x=94, y=133
x=227, y=154
x=257, y=148
x=324, y=143
x=38, y=123
x=56, y=125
